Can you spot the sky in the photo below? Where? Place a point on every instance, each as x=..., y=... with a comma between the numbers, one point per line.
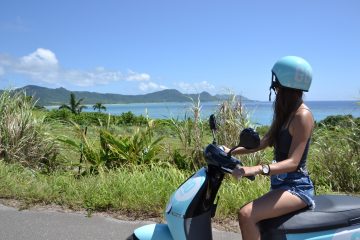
x=143, y=46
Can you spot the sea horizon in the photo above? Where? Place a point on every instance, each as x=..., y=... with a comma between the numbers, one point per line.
x=259, y=112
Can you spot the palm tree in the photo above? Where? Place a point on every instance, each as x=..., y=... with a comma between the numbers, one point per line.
x=75, y=105
x=99, y=106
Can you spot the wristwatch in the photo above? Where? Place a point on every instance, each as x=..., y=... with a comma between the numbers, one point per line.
x=265, y=169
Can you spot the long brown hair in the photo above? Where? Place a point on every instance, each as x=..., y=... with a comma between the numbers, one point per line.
x=287, y=101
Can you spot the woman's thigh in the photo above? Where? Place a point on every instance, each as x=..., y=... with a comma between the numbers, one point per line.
x=273, y=204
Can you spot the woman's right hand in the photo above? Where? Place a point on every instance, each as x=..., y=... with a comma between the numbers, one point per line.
x=224, y=148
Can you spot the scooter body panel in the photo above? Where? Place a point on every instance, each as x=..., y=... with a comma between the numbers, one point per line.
x=153, y=232
x=178, y=226
x=179, y=204
x=184, y=195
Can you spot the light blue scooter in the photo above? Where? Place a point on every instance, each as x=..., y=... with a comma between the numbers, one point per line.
x=191, y=207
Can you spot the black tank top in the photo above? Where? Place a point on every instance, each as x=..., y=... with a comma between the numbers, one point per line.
x=282, y=148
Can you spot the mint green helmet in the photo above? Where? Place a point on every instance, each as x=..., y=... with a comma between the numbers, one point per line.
x=292, y=72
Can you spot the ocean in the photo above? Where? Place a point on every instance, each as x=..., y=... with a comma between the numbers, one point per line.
x=259, y=112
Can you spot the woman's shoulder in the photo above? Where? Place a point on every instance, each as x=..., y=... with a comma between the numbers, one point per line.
x=303, y=116
x=303, y=110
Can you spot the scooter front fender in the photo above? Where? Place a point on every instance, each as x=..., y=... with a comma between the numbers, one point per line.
x=153, y=232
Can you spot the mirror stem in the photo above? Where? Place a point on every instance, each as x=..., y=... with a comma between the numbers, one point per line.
x=214, y=137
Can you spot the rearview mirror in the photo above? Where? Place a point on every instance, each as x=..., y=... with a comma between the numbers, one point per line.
x=212, y=123
x=248, y=139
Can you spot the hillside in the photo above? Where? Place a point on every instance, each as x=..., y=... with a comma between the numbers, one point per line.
x=48, y=96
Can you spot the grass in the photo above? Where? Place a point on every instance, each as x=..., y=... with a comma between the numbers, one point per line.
x=133, y=189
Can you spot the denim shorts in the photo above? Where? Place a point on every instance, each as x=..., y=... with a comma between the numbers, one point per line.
x=297, y=183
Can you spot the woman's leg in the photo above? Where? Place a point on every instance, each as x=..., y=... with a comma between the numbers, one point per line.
x=273, y=204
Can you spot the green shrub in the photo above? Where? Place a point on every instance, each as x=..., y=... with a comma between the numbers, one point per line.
x=128, y=118
x=94, y=118
x=113, y=150
x=63, y=115
x=336, y=121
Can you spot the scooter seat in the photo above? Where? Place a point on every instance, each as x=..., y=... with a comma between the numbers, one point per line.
x=331, y=212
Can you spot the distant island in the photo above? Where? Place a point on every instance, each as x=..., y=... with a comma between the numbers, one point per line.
x=48, y=96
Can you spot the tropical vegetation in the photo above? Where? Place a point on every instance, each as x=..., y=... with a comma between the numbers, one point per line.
x=127, y=163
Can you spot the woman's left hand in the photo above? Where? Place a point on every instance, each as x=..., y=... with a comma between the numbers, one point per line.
x=238, y=172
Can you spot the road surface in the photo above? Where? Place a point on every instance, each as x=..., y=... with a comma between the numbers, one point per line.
x=55, y=225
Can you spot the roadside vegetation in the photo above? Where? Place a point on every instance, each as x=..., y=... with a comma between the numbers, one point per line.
x=131, y=164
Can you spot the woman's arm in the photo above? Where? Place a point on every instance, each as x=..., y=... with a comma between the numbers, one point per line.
x=241, y=150
x=300, y=130
x=264, y=142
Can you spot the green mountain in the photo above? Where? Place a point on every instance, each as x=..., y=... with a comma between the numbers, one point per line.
x=47, y=96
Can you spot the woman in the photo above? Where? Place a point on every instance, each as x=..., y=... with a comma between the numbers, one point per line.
x=289, y=134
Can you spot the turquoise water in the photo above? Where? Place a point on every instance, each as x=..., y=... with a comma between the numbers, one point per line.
x=259, y=112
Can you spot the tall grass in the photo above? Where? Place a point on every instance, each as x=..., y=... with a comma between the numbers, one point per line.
x=190, y=133
x=232, y=118
x=335, y=156
x=24, y=139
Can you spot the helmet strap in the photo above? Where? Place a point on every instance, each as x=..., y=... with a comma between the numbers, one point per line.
x=270, y=95
x=274, y=84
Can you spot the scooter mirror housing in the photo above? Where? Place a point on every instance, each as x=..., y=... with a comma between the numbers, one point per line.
x=212, y=122
x=249, y=138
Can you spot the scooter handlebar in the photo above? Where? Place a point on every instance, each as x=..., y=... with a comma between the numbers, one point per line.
x=252, y=178
x=216, y=156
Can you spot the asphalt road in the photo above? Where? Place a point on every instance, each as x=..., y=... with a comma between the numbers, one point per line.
x=54, y=225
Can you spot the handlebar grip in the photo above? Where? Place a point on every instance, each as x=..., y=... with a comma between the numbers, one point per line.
x=251, y=178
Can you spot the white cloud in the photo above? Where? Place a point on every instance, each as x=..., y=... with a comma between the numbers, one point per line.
x=134, y=76
x=41, y=57
x=151, y=86
x=195, y=87
x=43, y=66
x=91, y=78
x=40, y=65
